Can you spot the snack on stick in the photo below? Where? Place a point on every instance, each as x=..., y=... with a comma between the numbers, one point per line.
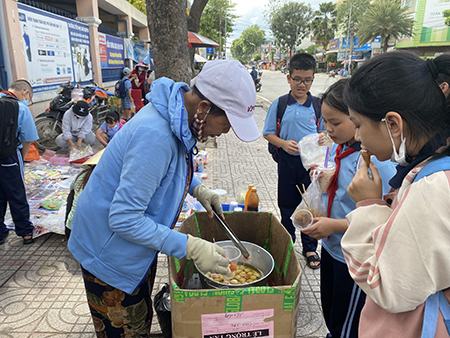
x=366, y=156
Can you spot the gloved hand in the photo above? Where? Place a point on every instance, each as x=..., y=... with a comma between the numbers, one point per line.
x=209, y=199
x=208, y=256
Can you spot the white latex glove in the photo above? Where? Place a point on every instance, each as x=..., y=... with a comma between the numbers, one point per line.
x=208, y=256
x=209, y=199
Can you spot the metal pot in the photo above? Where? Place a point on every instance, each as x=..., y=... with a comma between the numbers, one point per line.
x=259, y=258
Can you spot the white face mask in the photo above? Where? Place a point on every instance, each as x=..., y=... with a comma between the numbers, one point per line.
x=400, y=156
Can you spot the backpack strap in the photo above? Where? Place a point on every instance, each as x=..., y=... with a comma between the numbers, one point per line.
x=281, y=108
x=434, y=166
x=317, y=105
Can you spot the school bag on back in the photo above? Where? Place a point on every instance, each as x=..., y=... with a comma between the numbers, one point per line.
x=119, y=88
x=281, y=108
x=9, y=115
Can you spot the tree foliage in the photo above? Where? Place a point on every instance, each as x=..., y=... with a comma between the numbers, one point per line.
x=247, y=45
x=290, y=24
x=385, y=18
x=139, y=4
x=217, y=20
x=447, y=17
x=349, y=13
x=324, y=24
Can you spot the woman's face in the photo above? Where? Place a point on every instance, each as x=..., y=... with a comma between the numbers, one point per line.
x=373, y=135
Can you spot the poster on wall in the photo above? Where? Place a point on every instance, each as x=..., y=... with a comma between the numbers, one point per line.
x=112, y=51
x=434, y=28
x=56, y=48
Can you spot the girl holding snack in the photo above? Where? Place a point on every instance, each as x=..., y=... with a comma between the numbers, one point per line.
x=342, y=300
x=399, y=254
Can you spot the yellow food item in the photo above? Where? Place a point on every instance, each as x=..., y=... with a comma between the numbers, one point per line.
x=243, y=274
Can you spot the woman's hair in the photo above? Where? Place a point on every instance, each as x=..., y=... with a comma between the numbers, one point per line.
x=442, y=63
x=334, y=96
x=112, y=116
x=404, y=83
x=214, y=109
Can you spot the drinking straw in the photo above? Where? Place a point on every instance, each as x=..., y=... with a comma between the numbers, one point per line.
x=327, y=158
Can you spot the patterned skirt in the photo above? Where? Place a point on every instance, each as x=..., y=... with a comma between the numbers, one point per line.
x=116, y=313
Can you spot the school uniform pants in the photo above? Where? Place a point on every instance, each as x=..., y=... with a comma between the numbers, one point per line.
x=290, y=174
x=342, y=299
x=116, y=313
x=12, y=193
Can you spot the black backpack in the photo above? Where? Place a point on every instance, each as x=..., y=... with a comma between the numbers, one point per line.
x=281, y=108
x=119, y=89
x=9, y=118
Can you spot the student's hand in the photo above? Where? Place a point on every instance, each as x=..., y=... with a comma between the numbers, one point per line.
x=209, y=199
x=208, y=257
x=324, y=140
x=363, y=187
x=322, y=227
x=291, y=147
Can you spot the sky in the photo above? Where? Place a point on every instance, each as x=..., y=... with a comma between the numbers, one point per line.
x=251, y=12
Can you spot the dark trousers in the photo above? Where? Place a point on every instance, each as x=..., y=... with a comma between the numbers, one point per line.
x=12, y=192
x=119, y=314
x=342, y=299
x=290, y=174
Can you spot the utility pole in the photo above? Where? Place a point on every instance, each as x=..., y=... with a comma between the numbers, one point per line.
x=350, y=39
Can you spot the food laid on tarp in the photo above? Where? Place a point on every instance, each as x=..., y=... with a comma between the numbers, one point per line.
x=241, y=273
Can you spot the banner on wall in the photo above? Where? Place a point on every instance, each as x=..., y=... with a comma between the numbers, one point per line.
x=56, y=48
x=112, y=51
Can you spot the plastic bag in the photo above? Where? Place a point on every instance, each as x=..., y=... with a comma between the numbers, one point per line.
x=79, y=155
x=163, y=310
x=311, y=152
x=311, y=205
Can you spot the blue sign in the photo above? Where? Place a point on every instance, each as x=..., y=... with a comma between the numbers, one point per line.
x=112, y=51
x=210, y=51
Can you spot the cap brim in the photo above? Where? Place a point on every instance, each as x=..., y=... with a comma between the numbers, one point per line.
x=245, y=129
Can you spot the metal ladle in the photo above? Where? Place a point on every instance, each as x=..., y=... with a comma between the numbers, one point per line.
x=230, y=234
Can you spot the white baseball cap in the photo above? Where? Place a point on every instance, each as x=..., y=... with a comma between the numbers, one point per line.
x=229, y=86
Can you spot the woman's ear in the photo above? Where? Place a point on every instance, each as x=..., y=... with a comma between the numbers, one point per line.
x=445, y=87
x=202, y=109
x=395, y=123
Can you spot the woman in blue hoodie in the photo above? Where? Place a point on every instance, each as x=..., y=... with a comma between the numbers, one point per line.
x=127, y=211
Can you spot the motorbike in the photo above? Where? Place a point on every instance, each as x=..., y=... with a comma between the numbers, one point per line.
x=49, y=123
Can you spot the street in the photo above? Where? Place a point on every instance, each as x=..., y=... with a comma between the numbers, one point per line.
x=274, y=84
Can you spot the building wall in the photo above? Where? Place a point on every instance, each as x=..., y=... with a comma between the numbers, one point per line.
x=88, y=12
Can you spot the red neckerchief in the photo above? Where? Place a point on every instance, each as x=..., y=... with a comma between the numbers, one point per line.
x=332, y=188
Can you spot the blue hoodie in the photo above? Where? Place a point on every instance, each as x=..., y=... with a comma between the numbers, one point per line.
x=125, y=213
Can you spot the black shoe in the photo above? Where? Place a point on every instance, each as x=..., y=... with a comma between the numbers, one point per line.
x=28, y=239
x=4, y=237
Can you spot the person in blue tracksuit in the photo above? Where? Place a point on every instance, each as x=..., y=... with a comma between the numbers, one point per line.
x=342, y=300
x=127, y=211
x=12, y=187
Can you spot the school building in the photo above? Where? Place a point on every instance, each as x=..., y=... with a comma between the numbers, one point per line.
x=51, y=42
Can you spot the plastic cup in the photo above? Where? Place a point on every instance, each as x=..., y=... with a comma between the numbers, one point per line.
x=233, y=205
x=302, y=218
x=325, y=176
x=232, y=253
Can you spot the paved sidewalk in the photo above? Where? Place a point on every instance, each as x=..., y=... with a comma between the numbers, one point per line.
x=41, y=289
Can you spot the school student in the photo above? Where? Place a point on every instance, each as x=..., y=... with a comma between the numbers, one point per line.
x=399, y=254
x=342, y=299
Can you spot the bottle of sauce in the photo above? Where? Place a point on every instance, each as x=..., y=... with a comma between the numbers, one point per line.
x=252, y=200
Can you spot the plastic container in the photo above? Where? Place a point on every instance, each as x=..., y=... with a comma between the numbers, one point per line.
x=252, y=200
x=233, y=205
x=302, y=218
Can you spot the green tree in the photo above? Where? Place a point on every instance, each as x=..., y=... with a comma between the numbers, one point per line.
x=447, y=17
x=348, y=14
x=139, y=4
x=385, y=18
x=217, y=20
x=290, y=24
x=324, y=24
x=247, y=45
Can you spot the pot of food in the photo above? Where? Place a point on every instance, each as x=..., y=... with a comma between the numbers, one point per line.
x=246, y=272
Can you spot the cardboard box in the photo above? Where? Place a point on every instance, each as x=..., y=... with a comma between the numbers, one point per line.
x=260, y=311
